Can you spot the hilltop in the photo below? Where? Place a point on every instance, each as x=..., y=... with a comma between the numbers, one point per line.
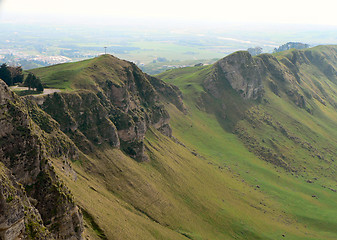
x=241, y=149
x=276, y=95
x=83, y=74
x=282, y=108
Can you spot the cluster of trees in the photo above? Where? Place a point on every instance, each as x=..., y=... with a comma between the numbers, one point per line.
x=33, y=82
x=13, y=75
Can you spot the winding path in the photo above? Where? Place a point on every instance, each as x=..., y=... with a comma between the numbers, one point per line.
x=46, y=91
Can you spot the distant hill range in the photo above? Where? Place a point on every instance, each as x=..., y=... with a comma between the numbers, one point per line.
x=290, y=45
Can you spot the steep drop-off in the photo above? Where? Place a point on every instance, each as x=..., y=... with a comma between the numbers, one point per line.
x=272, y=96
x=120, y=104
x=282, y=108
x=35, y=204
x=248, y=154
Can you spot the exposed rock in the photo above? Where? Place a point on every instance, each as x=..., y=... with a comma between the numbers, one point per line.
x=24, y=151
x=272, y=69
x=133, y=106
x=117, y=110
x=168, y=92
x=245, y=74
x=241, y=71
x=16, y=212
x=274, y=88
x=297, y=98
x=82, y=117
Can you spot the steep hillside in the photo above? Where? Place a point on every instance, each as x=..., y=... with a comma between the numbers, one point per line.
x=34, y=203
x=282, y=108
x=247, y=154
x=176, y=193
x=118, y=97
x=294, y=103
x=290, y=96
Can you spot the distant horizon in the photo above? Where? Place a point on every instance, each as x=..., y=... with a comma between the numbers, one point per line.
x=152, y=33
x=186, y=12
x=265, y=31
x=135, y=22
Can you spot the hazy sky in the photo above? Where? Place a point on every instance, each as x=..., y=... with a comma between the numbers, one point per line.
x=266, y=11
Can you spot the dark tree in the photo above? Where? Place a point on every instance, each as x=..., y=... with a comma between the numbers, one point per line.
x=33, y=82
x=18, y=79
x=30, y=79
x=5, y=74
x=39, y=86
x=16, y=73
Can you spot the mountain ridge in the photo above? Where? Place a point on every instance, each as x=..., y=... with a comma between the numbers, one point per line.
x=121, y=95
x=280, y=75
x=220, y=156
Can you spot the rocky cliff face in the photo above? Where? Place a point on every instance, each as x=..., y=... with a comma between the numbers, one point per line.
x=241, y=71
x=117, y=110
x=304, y=78
x=82, y=117
x=34, y=202
x=286, y=75
x=247, y=75
x=18, y=218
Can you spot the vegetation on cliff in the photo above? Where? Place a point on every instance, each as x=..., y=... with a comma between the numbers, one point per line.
x=242, y=149
x=38, y=205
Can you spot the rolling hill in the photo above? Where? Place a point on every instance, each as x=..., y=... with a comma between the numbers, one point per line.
x=241, y=149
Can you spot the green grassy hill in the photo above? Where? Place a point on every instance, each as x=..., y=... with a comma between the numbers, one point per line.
x=237, y=167
x=83, y=74
x=294, y=142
